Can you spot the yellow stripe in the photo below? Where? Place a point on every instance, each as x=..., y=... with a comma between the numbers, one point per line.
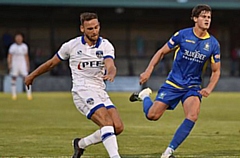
x=212, y=59
x=178, y=48
x=176, y=86
x=173, y=84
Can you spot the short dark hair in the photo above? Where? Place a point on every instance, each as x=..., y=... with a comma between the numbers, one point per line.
x=19, y=33
x=199, y=8
x=86, y=16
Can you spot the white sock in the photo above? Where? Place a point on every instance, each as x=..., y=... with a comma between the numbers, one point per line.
x=93, y=138
x=28, y=90
x=14, y=88
x=168, y=151
x=110, y=141
x=144, y=96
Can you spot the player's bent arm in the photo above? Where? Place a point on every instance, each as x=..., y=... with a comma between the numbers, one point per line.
x=45, y=67
x=157, y=57
x=9, y=61
x=216, y=71
x=27, y=61
x=154, y=61
x=111, y=69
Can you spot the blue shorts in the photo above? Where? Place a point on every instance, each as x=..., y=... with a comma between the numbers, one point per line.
x=171, y=95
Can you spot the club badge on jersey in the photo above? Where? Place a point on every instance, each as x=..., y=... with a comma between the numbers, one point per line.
x=99, y=54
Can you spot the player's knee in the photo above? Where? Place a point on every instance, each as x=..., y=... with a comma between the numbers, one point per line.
x=118, y=129
x=152, y=117
x=106, y=121
x=14, y=78
x=192, y=117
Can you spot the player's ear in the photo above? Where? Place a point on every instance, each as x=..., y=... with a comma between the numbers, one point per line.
x=81, y=29
x=195, y=19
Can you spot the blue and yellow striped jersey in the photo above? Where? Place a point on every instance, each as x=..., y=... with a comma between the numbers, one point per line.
x=190, y=56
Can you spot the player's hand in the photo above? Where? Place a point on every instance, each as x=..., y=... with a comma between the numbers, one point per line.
x=28, y=81
x=108, y=78
x=205, y=92
x=144, y=77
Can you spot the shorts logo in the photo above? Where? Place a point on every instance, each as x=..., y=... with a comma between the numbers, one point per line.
x=162, y=95
x=90, y=101
x=99, y=54
x=79, y=52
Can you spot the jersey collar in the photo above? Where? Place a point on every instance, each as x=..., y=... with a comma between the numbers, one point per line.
x=205, y=37
x=99, y=41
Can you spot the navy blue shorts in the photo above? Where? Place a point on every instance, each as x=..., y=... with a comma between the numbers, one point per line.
x=171, y=95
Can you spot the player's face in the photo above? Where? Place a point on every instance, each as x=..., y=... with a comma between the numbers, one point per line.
x=91, y=29
x=19, y=39
x=204, y=20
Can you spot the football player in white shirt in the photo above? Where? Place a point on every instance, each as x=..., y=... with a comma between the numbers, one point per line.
x=91, y=59
x=18, y=63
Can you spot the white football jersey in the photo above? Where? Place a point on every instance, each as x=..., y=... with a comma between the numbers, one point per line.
x=86, y=62
x=18, y=52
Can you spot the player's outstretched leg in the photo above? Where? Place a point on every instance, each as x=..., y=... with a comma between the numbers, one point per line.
x=181, y=134
x=78, y=152
x=139, y=96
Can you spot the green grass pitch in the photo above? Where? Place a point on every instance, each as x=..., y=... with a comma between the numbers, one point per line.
x=46, y=125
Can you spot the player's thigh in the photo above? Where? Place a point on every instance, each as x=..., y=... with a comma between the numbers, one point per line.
x=89, y=103
x=117, y=122
x=157, y=110
x=191, y=107
x=14, y=72
x=101, y=117
x=170, y=96
x=23, y=72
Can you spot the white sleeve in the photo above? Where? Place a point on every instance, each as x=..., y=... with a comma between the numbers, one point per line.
x=109, y=50
x=63, y=52
x=11, y=49
x=26, y=49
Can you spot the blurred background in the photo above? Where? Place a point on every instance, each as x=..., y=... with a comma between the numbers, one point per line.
x=136, y=28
